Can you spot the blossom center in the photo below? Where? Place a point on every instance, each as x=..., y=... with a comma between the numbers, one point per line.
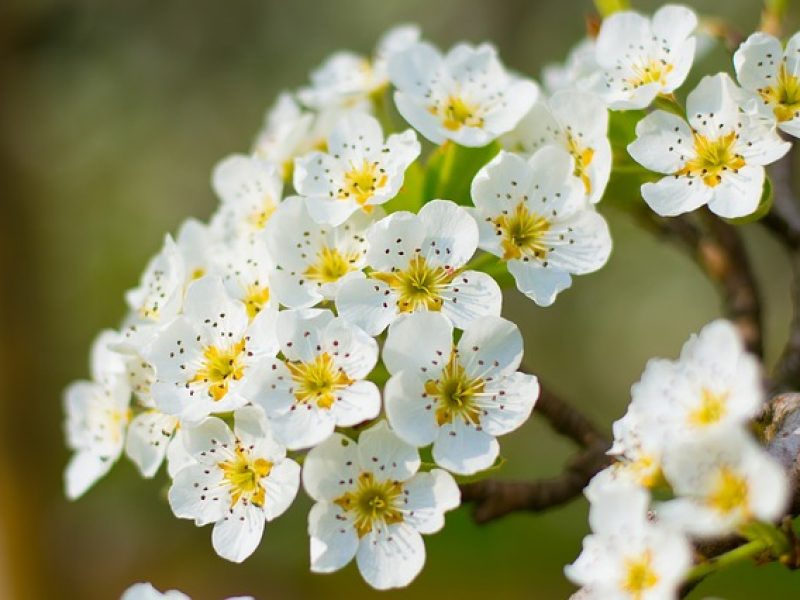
x=330, y=266
x=259, y=217
x=583, y=157
x=784, y=96
x=456, y=393
x=639, y=575
x=456, y=112
x=256, y=296
x=244, y=475
x=220, y=366
x=361, y=182
x=419, y=285
x=731, y=492
x=372, y=502
x=523, y=233
x=712, y=408
x=648, y=71
x=712, y=158
x=318, y=380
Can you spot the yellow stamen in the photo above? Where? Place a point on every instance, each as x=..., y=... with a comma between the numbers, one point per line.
x=639, y=575
x=373, y=502
x=784, y=95
x=220, y=366
x=651, y=71
x=712, y=158
x=419, y=285
x=244, y=476
x=255, y=298
x=258, y=218
x=455, y=393
x=331, y=265
x=730, y=493
x=455, y=113
x=523, y=233
x=361, y=182
x=583, y=157
x=712, y=408
x=318, y=381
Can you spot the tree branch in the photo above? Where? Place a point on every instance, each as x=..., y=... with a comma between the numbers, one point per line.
x=567, y=420
x=719, y=251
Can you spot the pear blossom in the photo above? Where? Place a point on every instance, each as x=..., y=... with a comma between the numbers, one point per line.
x=320, y=381
x=150, y=435
x=722, y=480
x=466, y=96
x=717, y=158
x=203, y=359
x=315, y=260
x=576, y=121
x=288, y=132
x=576, y=72
x=457, y=396
x=640, y=58
x=771, y=74
x=359, y=171
x=247, y=268
x=373, y=504
x=348, y=79
x=250, y=189
x=239, y=480
x=418, y=263
x=534, y=215
x=97, y=417
x=628, y=555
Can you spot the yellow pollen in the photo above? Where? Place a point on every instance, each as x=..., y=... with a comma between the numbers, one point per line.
x=373, y=502
x=523, y=233
x=645, y=469
x=712, y=408
x=198, y=273
x=455, y=393
x=419, y=285
x=318, y=380
x=651, y=71
x=730, y=493
x=583, y=158
x=258, y=218
x=219, y=367
x=712, y=158
x=331, y=265
x=244, y=477
x=255, y=298
x=455, y=113
x=784, y=95
x=639, y=575
x=361, y=182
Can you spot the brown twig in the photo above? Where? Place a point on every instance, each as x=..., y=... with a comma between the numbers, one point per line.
x=567, y=420
x=720, y=252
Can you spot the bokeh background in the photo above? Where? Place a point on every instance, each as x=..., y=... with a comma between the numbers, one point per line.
x=112, y=115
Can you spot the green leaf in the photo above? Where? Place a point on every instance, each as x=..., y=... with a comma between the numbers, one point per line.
x=410, y=195
x=627, y=176
x=764, y=206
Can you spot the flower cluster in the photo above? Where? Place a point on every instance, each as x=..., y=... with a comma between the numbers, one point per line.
x=684, y=440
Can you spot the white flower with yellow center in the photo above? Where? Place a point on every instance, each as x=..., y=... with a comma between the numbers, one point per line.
x=628, y=556
x=246, y=268
x=576, y=121
x=204, y=358
x=640, y=58
x=97, y=413
x=417, y=264
x=320, y=382
x=373, y=504
x=722, y=480
x=458, y=397
x=534, y=215
x=717, y=158
x=288, y=132
x=466, y=96
x=359, y=171
x=250, y=189
x=772, y=75
x=348, y=79
x=239, y=480
x=315, y=260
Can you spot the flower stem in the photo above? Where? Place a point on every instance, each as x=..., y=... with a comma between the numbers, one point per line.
x=742, y=553
x=450, y=151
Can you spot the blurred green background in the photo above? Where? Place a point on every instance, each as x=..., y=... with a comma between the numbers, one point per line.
x=112, y=115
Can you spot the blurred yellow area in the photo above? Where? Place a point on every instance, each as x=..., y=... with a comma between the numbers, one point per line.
x=112, y=116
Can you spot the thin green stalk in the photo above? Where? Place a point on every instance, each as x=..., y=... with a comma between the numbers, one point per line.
x=744, y=552
x=450, y=150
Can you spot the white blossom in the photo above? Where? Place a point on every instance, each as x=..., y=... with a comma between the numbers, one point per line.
x=640, y=58
x=373, y=504
x=576, y=72
x=466, y=96
x=717, y=158
x=534, y=215
x=359, y=171
x=239, y=480
x=772, y=76
x=458, y=397
x=418, y=263
x=320, y=382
